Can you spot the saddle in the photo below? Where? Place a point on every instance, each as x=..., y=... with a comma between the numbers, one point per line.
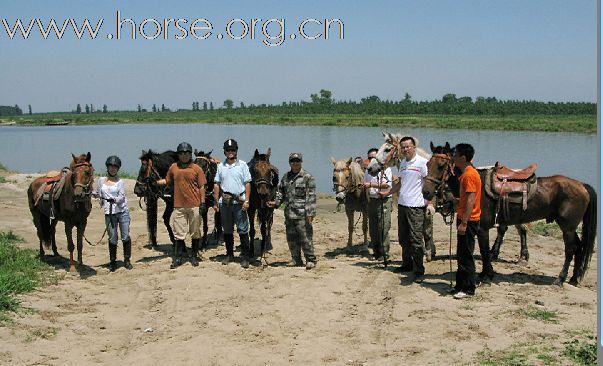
x=51, y=191
x=507, y=185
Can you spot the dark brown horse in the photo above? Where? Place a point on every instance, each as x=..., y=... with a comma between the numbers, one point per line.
x=153, y=167
x=557, y=198
x=264, y=183
x=72, y=206
x=209, y=165
x=348, y=184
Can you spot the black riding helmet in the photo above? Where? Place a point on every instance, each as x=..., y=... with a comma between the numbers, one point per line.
x=113, y=160
x=184, y=147
x=231, y=144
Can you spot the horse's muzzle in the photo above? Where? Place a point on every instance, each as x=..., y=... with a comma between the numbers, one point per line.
x=340, y=197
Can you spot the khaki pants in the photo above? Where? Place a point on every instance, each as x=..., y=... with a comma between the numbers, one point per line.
x=186, y=221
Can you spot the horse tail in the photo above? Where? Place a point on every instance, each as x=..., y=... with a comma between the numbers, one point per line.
x=589, y=232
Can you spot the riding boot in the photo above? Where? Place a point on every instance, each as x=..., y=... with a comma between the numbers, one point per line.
x=177, y=260
x=195, y=249
x=127, y=253
x=245, y=250
x=229, y=243
x=112, y=257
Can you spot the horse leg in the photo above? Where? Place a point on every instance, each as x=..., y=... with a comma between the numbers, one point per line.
x=218, y=226
x=524, y=254
x=152, y=221
x=365, y=229
x=70, y=246
x=571, y=240
x=80, y=245
x=500, y=236
x=53, y=241
x=251, y=215
x=205, y=229
x=169, y=208
x=483, y=238
x=350, y=215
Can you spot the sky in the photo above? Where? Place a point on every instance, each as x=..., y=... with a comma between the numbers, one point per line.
x=510, y=49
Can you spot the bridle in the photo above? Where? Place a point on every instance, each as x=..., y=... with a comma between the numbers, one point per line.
x=150, y=172
x=442, y=205
x=349, y=187
x=86, y=187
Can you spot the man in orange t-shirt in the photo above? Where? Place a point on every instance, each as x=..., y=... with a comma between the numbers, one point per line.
x=189, y=194
x=468, y=215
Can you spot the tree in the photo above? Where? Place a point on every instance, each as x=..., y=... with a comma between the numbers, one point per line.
x=87, y=109
x=211, y=106
x=139, y=108
x=162, y=107
x=29, y=109
x=205, y=106
x=105, y=108
x=18, y=111
x=78, y=109
x=228, y=103
x=154, y=108
x=323, y=97
x=407, y=97
x=242, y=105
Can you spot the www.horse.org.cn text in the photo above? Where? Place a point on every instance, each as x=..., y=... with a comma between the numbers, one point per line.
x=271, y=32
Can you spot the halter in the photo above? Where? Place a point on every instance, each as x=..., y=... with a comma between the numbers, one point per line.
x=443, y=206
x=86, y=187
x=150, y=171
x=396, y=147
x=349, y=187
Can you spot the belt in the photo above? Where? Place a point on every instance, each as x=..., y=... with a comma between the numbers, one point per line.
x=233, y=194
x=380, y=198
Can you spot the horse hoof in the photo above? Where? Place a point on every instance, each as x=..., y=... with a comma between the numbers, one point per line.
x=71, y=268
x=573, y=281
x=558, y=282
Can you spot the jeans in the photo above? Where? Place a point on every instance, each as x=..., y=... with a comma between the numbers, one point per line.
x=121, y=220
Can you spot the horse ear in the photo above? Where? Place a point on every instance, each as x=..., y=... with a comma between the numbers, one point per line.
x=333, y=160
x=269, y=152
x=447, y=147
x=431, y=146
x=196, y=152
x=210, y=151
x=256, y=153
x=88, y=157
x=350, y=161
x=73, y=156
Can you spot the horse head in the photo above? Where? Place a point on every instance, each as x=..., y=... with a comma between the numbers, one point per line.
x=82, y=175
x=389, y=153
x=209, y=165
x=153, y=166
x=439, y=169
x=263, y=174
x=348, y=178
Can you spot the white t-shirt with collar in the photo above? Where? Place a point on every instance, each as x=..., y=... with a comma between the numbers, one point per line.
x=411, y=175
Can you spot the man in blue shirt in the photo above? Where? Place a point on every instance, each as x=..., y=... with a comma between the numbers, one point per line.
x=234, y=181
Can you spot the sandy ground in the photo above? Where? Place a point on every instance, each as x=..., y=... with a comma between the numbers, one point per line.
x=349, y=310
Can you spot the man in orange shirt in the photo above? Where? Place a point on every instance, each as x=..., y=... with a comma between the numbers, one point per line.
x=189, y=194
x=468, y=215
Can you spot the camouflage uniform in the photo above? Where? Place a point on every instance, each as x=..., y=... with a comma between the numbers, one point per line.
x=298, y=193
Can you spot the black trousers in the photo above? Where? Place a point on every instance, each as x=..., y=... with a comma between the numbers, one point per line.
x=465, y=245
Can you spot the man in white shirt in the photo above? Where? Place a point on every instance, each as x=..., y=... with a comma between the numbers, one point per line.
x=411, y=208
x=379, y=209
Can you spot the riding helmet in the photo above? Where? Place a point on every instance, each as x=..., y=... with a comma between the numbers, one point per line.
x=231, y=144
x=184, y=147
x=113, y=160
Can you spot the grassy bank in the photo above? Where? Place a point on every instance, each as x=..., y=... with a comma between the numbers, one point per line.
x=552, y=123
x=20, y=271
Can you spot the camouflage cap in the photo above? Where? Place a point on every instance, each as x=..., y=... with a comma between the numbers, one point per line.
x=294, y=156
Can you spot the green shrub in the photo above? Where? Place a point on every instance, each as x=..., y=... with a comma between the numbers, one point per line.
x=583, y=352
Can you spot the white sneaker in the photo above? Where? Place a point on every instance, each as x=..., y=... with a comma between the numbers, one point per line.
x=461, y=295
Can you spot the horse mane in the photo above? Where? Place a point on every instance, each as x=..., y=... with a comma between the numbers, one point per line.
x=356, y=174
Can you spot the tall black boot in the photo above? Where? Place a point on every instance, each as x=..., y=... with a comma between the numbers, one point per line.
x=112, y=257
x=127, y=253
x=245, y=250
x=229, y=243
x=193, y=255
x=177, y=260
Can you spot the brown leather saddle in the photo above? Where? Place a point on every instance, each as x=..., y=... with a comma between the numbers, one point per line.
x=506, y=185
x=51, y=191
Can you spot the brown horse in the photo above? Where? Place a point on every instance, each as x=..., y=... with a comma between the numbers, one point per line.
x=264, y=183
x=209, y=165
x=348, y=179
x=72, y=206
x=557, y=198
